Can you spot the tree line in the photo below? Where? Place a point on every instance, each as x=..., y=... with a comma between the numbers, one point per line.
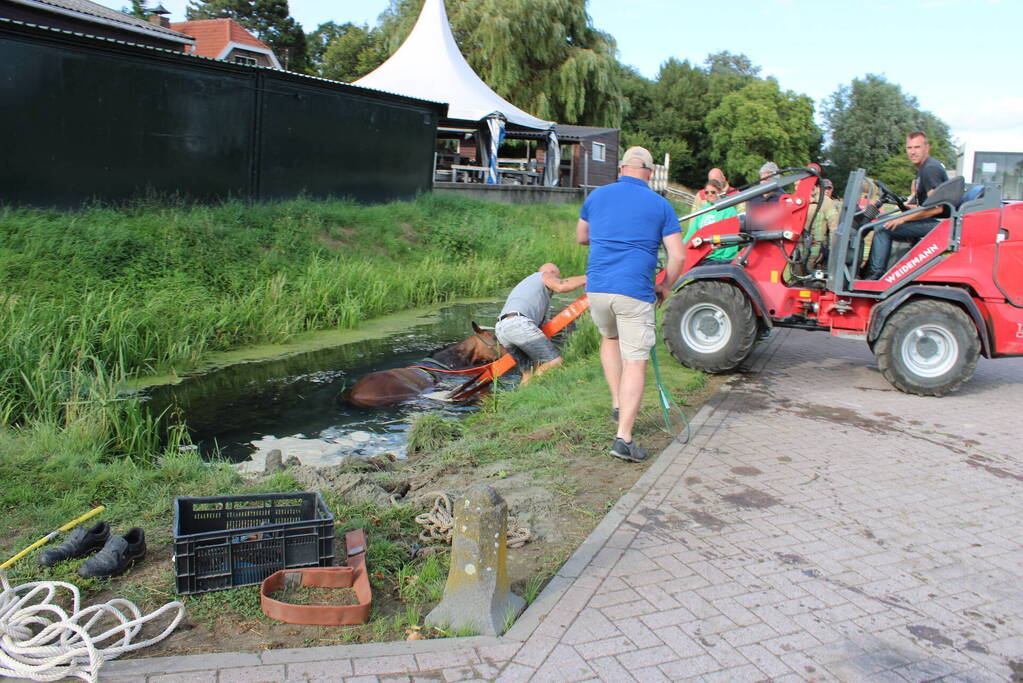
x=546, y=57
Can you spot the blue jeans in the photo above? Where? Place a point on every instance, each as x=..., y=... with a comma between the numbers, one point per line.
x=882, y=247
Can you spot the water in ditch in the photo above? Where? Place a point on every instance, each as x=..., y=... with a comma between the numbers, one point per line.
x=244, y=410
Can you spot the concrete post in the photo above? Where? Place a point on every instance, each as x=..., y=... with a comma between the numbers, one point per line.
x=478, y=595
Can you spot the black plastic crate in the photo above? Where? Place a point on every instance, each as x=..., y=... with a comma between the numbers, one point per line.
x=229, y=541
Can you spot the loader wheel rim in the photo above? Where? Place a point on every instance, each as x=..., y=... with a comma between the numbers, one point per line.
x=706, y=328
x=930, y=351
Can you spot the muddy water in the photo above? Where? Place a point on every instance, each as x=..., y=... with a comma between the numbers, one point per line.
x=245, y=409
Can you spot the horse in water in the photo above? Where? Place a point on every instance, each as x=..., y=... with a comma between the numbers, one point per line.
x=391, y=387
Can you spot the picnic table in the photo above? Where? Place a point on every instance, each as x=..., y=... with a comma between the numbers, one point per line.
x=468, y=174
x=526, y=177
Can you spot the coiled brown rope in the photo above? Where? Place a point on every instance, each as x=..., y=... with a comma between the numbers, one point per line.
x=439, y=521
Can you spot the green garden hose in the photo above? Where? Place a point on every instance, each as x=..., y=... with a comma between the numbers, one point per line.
x=664, y=398
x=667, y=403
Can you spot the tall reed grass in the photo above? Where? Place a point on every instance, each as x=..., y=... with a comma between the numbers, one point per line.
x=92, y=298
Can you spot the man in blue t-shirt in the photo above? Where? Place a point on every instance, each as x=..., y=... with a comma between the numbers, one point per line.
x=625, y=224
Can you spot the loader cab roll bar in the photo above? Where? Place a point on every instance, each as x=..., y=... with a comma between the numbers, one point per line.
x=844, y=258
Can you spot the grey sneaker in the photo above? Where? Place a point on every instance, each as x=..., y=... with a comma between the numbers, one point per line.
x=627, y=451
x=614, y=415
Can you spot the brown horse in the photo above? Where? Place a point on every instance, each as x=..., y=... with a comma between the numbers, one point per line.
x=391, y=387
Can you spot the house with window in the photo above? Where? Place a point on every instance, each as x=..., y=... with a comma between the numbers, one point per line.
x=226, y=40
x=590, y=156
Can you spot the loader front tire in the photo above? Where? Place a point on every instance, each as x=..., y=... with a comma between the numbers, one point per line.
x=710, y=326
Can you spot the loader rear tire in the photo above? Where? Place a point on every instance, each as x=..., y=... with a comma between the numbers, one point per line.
x=710, y=326
x=928, y=348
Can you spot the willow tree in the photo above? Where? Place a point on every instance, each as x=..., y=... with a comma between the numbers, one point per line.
x=544, y=56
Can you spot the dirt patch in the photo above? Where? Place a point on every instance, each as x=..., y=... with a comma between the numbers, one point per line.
x=340, y=239
x=752, y=400
x=840, y=416
x=931, y=635
x=705, y=519
x=791, y=558
x=409, y=233
x=307, y=595
x=985, y=464
x=542, y=434
x=751, y=498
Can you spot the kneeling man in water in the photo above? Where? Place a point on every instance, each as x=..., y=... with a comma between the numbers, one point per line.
x=518, y=326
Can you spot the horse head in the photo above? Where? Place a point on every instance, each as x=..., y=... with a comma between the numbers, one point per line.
x=479, y=349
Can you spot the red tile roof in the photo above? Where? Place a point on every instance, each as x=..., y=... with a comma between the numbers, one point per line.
x=213, y=35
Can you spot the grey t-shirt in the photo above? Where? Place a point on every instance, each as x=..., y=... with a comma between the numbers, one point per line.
x=530, y=297
x=929, y=176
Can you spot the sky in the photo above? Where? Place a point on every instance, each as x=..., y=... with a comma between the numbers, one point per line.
x=961, y=59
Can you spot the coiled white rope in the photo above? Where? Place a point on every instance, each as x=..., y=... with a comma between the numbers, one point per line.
x=42, y=642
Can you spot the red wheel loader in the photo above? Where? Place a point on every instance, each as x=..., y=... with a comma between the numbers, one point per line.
x=945, y=300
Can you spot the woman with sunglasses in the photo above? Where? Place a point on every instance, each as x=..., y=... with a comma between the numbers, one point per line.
x=713, y=191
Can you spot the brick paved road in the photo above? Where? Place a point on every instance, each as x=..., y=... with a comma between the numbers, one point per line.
x=821, y=526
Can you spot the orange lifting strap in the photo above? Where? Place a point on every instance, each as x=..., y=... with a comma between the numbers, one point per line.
x=488, y=373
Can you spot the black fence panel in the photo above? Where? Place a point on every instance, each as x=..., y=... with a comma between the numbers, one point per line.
x=88, y=119
x=319, y=141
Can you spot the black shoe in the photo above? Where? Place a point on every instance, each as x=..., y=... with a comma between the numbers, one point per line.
x=119, y=553
x=614, y=416
x=79, y=543
x=627, y=451
x=872, y=275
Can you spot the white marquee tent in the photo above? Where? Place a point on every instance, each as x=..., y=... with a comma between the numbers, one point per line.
x=429, y=66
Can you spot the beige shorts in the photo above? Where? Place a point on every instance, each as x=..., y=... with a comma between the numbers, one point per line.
x=630, y=320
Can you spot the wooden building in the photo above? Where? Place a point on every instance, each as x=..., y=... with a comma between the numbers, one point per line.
x=589, y=155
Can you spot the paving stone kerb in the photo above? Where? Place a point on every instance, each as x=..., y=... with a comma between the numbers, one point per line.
x=819, y=526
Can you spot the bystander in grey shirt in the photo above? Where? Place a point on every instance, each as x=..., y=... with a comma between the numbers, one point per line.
x=530, y=298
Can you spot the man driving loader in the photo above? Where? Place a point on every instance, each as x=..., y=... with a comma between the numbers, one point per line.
x=930, y=173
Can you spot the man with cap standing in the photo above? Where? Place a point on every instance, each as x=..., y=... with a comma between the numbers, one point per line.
x=518, y=325
x=624, y=224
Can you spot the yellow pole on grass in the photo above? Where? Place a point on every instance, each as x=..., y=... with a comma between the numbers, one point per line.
x=53, y=534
